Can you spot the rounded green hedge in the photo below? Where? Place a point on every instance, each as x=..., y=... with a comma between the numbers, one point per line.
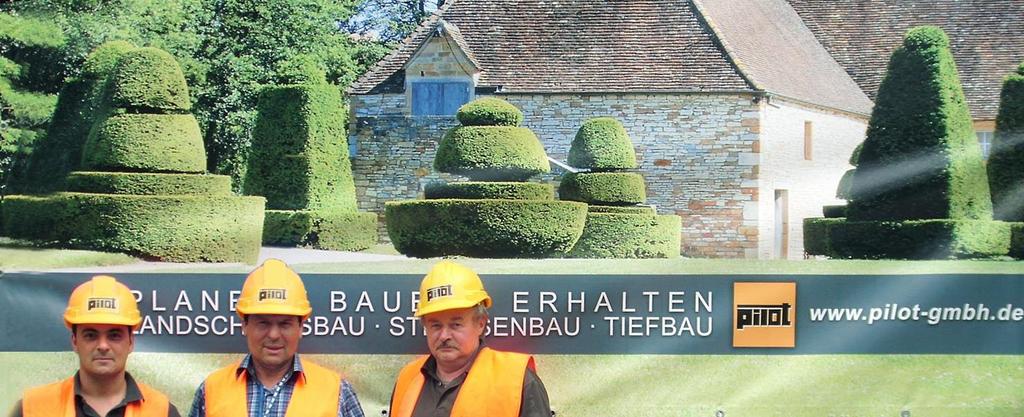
x=918, y=239
x=491, y=153
x=148, y=183
x=103, y=60
x=149, y=78
x=602, y=144
x=492, y=190
x=329, y=230
x=489, y=111
x=620, y=235
x=621, y=209
x=817, y=241
x=146, y=142
x=484, y=228
x=181, y=228
x=603, y=188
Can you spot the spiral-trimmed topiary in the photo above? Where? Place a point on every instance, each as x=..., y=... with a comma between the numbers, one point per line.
x=602, y=144
x=145, y=142
x=490, y=190
x=491, y=153
x=149, y=78
x=603, y=188
x=484, y=228
x=489, y=111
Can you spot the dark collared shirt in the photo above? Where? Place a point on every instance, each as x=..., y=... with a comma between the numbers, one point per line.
x=82, y=409
x=273, y=402
x=437, y=398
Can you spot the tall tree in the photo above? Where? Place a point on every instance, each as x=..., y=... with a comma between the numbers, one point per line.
x=390, y=21
x=28, y=82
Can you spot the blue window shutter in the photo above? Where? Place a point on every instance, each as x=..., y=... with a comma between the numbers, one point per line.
x=434, y=98
x=426, y=99
x=455, y=95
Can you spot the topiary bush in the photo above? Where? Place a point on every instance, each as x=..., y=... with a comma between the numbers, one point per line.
x=102, y=61
x=1005, y=176
x=490, y=190
x=921, y=159
x=299, y=158
x=489, y=111
x=919, y=239
x=345, y=231
x=491, y=153
x=178, y=228
x=843, y=190
x=620, y=235
x=602, y=144
x=149, y=79
x=621, y=209
x=817, y=240
x=484, y=228
x=148, y=183
x=145, y=142
x=603, y=188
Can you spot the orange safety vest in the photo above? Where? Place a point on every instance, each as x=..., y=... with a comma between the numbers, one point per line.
x=58, y=400
x=316, y=393
x=493, y=388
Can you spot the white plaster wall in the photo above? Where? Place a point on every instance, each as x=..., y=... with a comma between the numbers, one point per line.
x=811, y=184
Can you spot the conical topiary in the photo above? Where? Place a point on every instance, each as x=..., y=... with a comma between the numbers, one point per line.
x=300, y=163
x=920, y=189
x=1005, y=173
x=497, y=214
x=921, y=159
x=147, y=195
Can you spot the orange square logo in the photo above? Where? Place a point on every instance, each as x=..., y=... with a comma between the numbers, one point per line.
x=764, y=314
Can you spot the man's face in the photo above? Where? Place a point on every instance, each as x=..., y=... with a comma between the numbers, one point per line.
x=273, y=339
x=102, y=348
x=454, y=335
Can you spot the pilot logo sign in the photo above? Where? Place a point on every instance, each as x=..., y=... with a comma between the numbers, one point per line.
x=273, y=294
x=442, y=291
x=764, y=314
x=101, y=303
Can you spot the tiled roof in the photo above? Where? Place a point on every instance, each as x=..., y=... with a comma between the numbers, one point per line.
x=578, y=46
x=771, y=45
x=987, y=38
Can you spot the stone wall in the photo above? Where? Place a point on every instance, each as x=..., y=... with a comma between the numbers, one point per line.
x=809, y=184
x=698, y=153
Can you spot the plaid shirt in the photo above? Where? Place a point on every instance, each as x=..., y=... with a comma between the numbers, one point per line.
x=273, y=402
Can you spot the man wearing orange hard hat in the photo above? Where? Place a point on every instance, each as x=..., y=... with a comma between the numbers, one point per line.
x=461, y=377
x=101, y=313
x=272, y=380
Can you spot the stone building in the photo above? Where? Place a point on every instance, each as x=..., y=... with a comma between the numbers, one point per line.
x=743, y=112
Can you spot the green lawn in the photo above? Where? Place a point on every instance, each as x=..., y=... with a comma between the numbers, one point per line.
x=658, y=266
x=17, y=256
x=652, y=385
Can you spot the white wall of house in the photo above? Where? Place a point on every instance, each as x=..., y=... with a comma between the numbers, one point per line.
x=808, y=184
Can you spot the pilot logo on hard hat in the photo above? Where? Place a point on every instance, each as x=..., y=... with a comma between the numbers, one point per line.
x=273, y=294
x=436, y=292
x=101, y=303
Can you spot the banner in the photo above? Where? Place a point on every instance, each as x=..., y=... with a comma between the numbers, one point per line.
x=580, y=315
